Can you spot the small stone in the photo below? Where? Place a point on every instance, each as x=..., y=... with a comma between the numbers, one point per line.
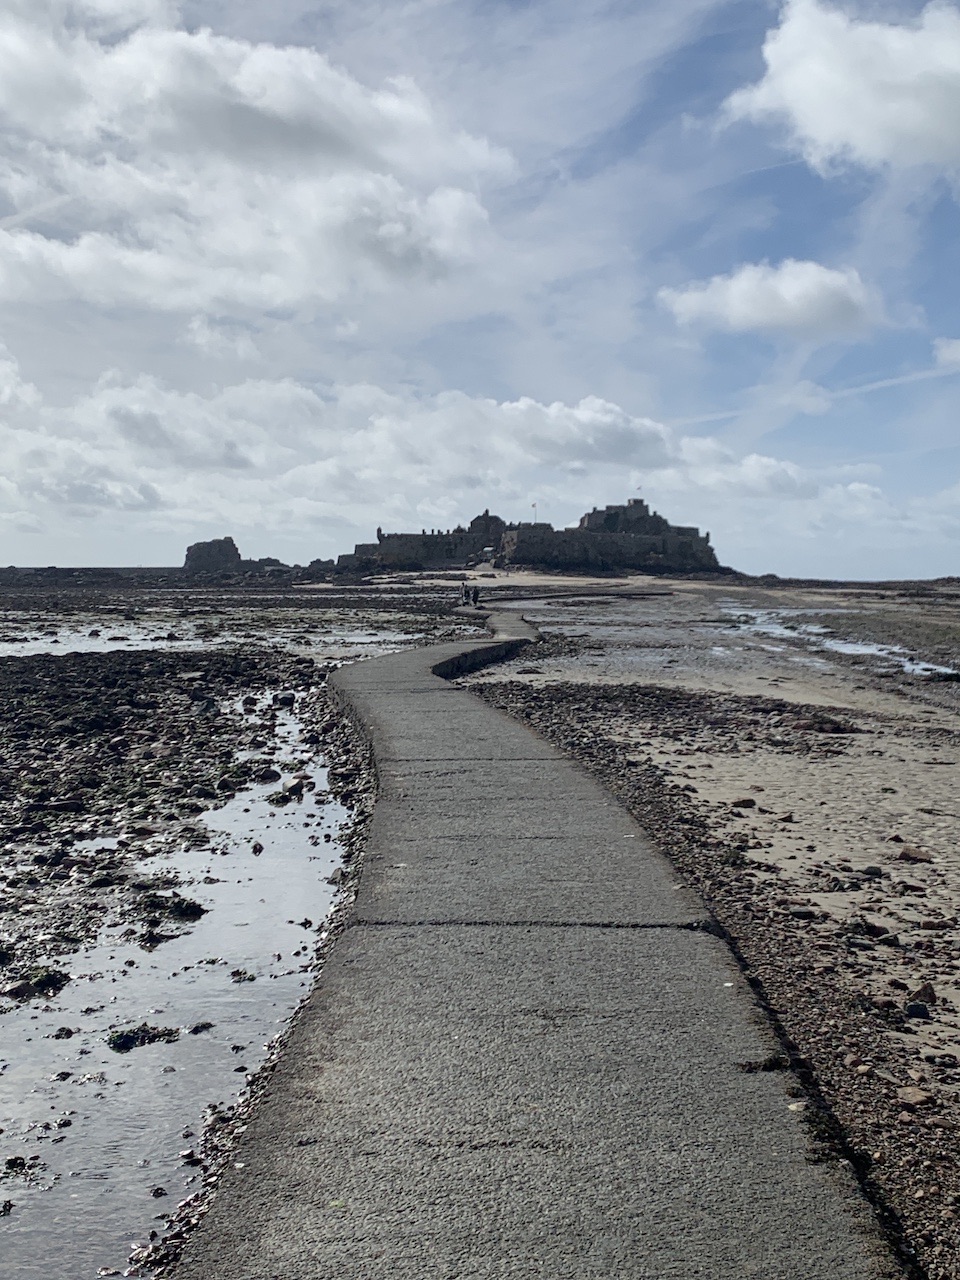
x=917, y=1009
x=910, y=853
x=925, y=994
x=885, y=1003
x=911, y=1096
x=19, y=991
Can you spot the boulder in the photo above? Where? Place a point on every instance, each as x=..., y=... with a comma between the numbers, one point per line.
x=220, y=555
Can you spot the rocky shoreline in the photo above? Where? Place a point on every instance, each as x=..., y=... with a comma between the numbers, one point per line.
x=112, y=763
x=104, y=760
x=812, y=806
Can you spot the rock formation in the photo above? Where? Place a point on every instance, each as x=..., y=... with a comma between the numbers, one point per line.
x=220, y=555
x=627, y=537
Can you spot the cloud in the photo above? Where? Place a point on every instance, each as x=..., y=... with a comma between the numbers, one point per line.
x=801, y=298
x=188, y=171
x=805, y=397
x=946, y=353
x=871, y=93
x=221, y=339
x=306, y=471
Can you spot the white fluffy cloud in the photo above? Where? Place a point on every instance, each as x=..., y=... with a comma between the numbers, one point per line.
x=146, y=165
x=874, y=93
x=263, y=457
x=802, y=298
x=946, y=352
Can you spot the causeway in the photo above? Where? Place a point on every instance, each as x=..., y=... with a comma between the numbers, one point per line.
x=527, y=1057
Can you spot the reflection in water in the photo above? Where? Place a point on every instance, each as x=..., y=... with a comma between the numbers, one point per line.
x=107, y=1137
x=776, y=623
x=340, y=642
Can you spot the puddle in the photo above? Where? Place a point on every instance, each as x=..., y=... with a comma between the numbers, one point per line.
x=339, y=643
x=110, y=1128
x=771, y=623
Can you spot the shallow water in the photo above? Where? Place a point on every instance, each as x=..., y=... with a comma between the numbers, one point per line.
x=109, y=1128
x=341, y=643
x=629, y=648
x=776, y=623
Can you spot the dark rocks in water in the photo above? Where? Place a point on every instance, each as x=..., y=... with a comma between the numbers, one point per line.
x=199, y=1028
x=39, y=982
x=219, y=555
x=122, y=1041
x=174, y=905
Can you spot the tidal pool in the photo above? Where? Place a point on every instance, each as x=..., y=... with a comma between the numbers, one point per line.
x=96, y=1145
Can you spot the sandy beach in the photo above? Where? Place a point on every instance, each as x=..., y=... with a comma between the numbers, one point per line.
x=796, y=752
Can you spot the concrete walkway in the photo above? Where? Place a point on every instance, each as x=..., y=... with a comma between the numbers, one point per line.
x=525, y=1058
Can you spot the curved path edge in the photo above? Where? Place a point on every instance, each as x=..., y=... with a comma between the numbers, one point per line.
x=527, y=1057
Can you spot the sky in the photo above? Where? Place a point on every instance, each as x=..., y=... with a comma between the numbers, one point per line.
x=290, y=271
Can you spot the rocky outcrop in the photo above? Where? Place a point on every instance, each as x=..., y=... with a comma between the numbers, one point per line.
x=220, y=555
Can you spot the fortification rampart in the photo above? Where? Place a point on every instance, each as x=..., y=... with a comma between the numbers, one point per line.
x=628, y=537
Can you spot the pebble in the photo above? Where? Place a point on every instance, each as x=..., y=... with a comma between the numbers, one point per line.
x=914, y=1096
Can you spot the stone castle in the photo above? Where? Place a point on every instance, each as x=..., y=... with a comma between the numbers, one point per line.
x=616, y=538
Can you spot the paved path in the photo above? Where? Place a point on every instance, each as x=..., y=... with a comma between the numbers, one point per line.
x=525, y=1058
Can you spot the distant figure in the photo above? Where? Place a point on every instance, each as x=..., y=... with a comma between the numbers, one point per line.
x=464, y=594
x=475, y=596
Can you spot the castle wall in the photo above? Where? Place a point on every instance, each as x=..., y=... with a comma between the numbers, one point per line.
x=585, y=550
x=618, y=537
